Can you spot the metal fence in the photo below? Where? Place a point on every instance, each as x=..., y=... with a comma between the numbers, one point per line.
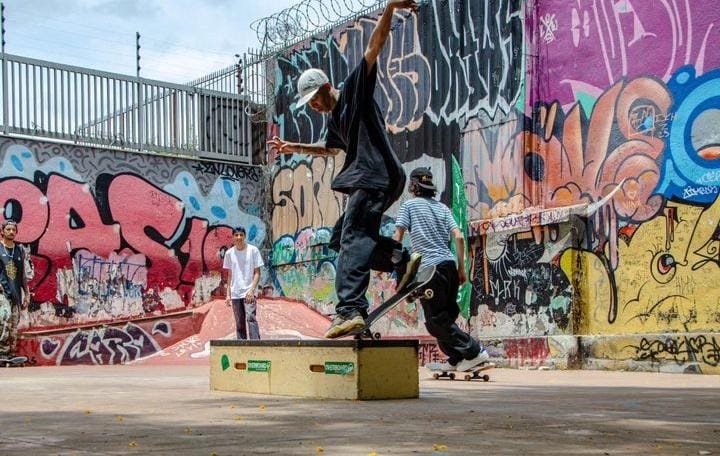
x=247, y=77
x=46, y=99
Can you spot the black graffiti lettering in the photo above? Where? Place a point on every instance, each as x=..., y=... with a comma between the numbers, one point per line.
x=681, y=350
x=229, y=171
x=108, y=346
x=474, y=59
x=304, y=124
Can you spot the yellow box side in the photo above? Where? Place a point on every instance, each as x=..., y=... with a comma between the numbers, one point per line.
x=388, y=373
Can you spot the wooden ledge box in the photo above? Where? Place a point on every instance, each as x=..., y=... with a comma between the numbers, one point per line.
x=337, y=369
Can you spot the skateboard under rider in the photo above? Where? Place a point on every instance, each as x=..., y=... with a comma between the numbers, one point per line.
x=414, y=290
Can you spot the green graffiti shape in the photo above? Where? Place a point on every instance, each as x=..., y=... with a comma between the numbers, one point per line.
x=225, y=362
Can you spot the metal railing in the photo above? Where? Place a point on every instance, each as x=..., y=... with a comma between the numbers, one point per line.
x=46, y=99
x=248, y=77
x=222, y=80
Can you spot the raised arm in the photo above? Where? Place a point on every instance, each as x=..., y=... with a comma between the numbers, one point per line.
x=318, y=149
x=382, y=29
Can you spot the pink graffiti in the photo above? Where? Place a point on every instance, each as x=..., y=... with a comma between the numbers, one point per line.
x=616, y=36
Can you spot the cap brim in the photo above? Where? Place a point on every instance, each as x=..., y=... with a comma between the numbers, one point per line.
x=308, y=96
x=427, y=186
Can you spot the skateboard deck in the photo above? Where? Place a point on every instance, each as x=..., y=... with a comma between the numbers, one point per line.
x=416, y=289
x=470, y=374
x=17, y=361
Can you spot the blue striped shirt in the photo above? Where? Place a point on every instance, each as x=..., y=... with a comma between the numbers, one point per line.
x=429, y=223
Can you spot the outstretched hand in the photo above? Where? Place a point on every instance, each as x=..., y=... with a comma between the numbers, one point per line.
x=279, y=145
x=403, y=4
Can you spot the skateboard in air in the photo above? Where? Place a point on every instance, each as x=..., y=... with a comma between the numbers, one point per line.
x=470, y=374
x=414, y=290
x=16, y=361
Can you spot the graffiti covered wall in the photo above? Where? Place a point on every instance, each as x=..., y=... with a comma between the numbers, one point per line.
x=438, y=70
x=588, y=136
x=644, y=123
x=116, y=236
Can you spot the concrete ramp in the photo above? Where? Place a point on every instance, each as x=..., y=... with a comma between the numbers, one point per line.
x=278, y=319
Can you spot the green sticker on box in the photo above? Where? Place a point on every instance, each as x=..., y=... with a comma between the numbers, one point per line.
x=339, y=368
x=225, y=362
x=254, y=365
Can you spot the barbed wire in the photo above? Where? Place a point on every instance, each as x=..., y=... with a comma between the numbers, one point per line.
x=307, y=18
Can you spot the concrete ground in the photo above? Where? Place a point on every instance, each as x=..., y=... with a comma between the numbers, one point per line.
x=170, y=410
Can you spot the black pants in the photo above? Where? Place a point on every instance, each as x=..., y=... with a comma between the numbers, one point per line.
x=356, y=238
x=245, y=319
x=441, y=312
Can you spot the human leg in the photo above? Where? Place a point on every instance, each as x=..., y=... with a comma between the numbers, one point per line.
x=357, y=242
x=441, y=311
x=251, y=318
x=9, y=319
x=390, y=256
x=238, y=306
x=359, y=238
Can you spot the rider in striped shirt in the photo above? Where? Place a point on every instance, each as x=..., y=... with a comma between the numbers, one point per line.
x=430, y=224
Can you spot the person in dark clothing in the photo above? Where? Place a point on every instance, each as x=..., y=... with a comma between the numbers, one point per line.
x=372, y=176
x=13, y=288
x=431, y=224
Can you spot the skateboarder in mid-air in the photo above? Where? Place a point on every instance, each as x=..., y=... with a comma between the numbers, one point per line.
x=430, y=224
x=372, y=177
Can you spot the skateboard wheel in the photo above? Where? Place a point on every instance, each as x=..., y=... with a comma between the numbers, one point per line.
x=377, y=336
x=436, y=376
x=451, y=375
x=486, y=378
x=468, y=377
x=429, y=293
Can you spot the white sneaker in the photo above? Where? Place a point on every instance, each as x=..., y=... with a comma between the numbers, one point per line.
x=467, y=364
x=445, y=367
x=411, y=268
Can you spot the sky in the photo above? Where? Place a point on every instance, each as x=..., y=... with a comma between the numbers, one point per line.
x=181, y=40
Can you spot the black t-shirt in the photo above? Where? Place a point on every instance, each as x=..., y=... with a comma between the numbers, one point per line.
x=12, y=286
x=357, y=126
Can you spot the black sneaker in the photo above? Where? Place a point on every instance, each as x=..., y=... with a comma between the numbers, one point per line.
x=410, y=269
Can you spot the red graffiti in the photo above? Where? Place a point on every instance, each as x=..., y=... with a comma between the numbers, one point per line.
x=134, y=217
x=149, y=217
x=74, y=222
x=533, y=351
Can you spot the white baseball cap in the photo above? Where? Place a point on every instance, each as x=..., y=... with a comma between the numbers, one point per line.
x=309, y=83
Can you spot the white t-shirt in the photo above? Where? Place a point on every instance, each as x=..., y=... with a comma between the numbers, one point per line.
x=242, y=263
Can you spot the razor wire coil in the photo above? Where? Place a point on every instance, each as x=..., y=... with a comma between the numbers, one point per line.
x=307, y=18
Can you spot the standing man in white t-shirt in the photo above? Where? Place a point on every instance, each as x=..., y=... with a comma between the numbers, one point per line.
x=243, y=263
